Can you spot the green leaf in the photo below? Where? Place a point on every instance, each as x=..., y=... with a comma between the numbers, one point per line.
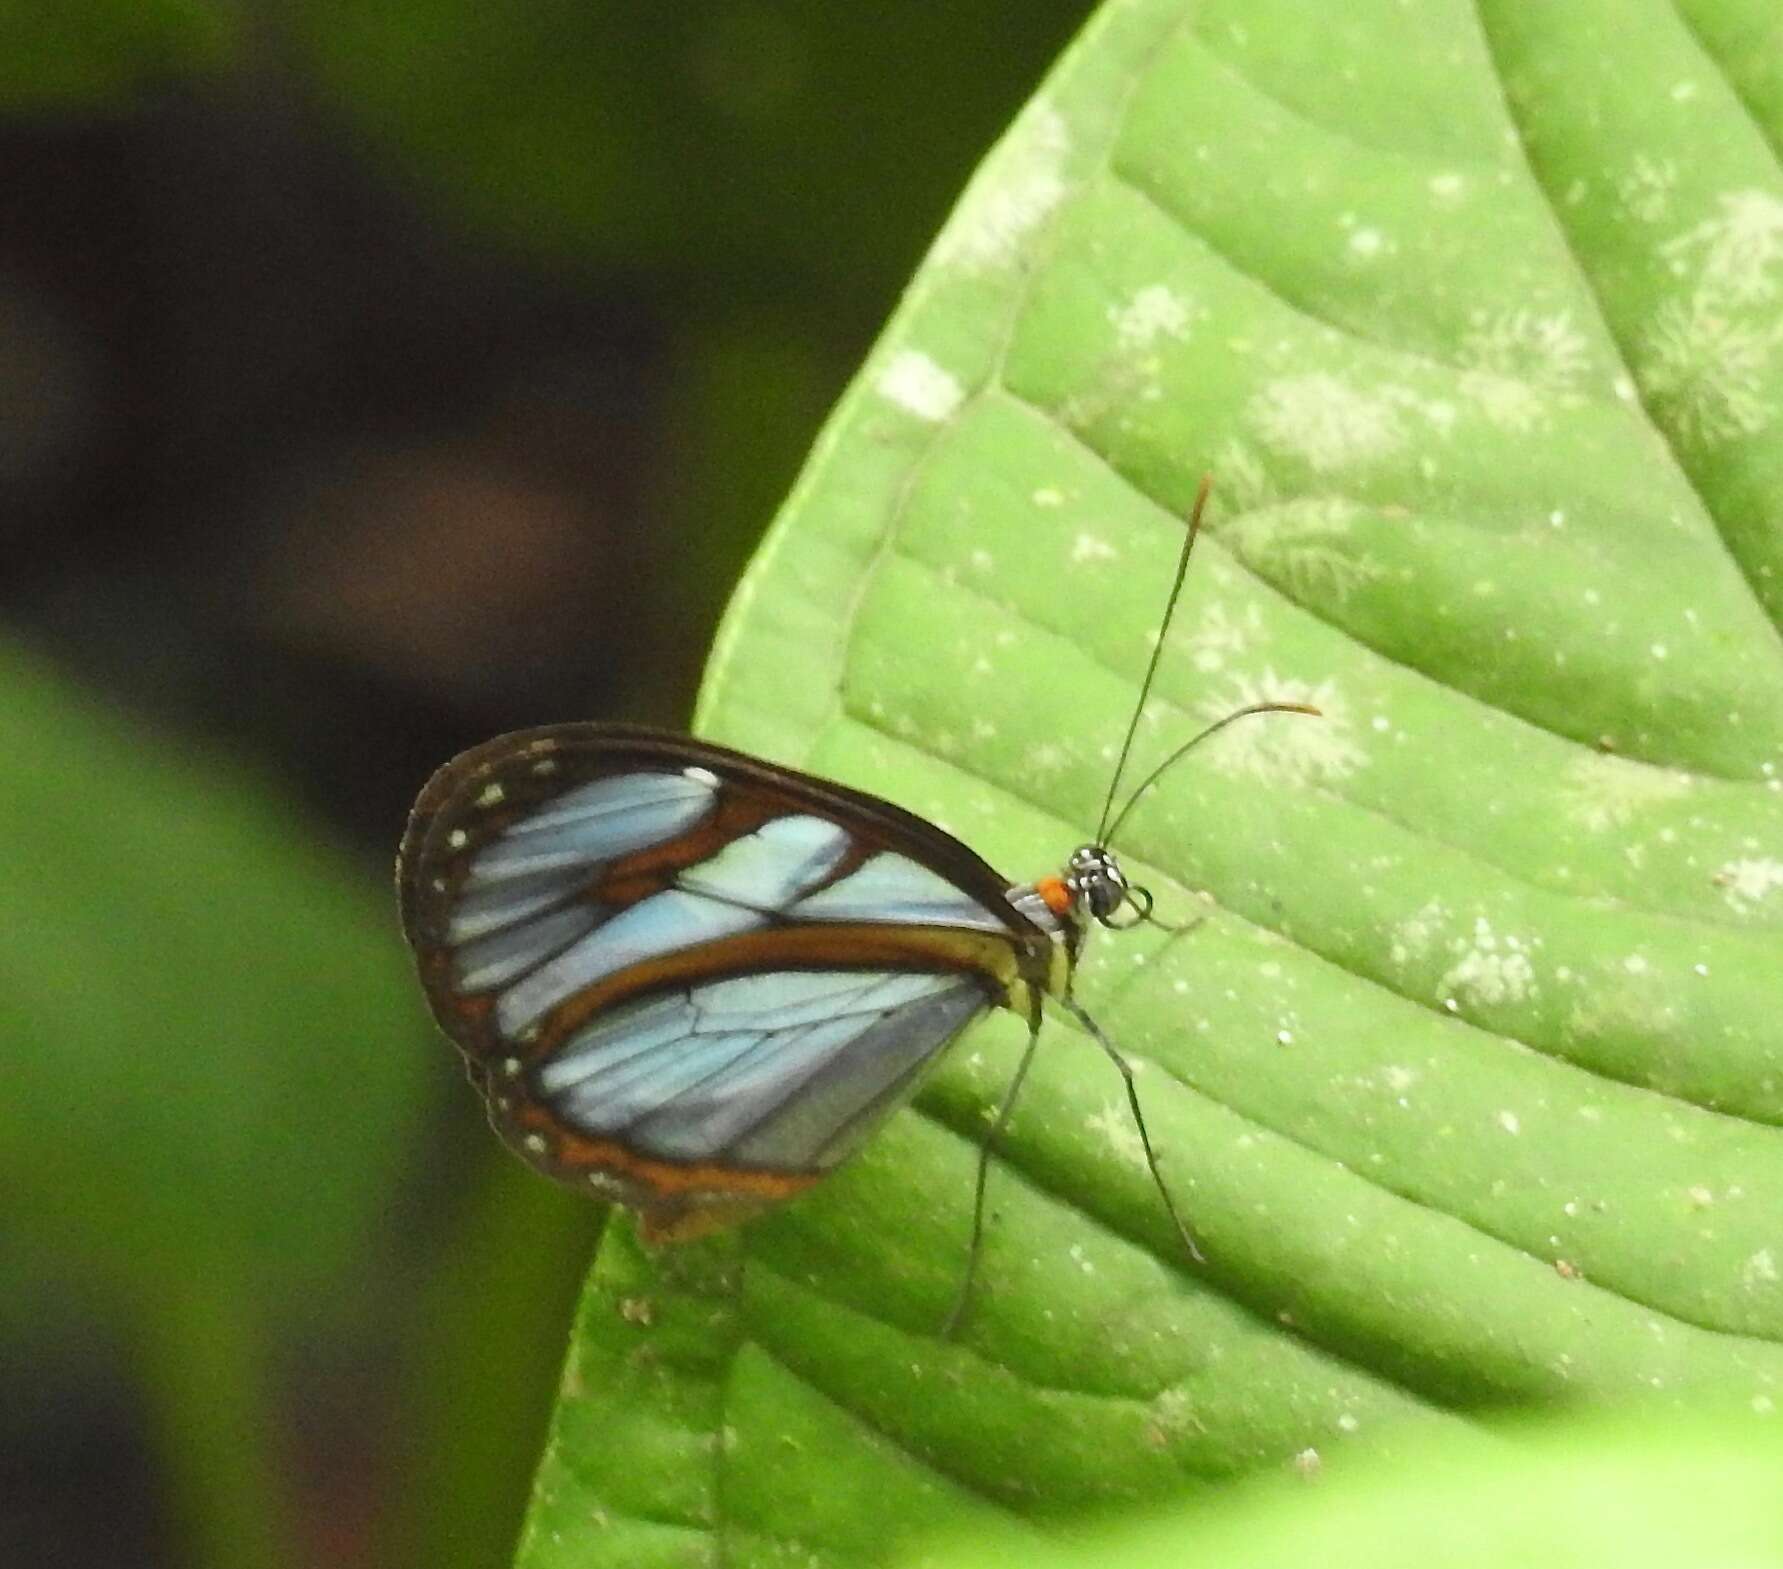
x=1571, y=1495
x=1470, y=1078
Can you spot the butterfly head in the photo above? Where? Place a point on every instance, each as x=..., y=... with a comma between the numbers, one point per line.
x=1097, y=885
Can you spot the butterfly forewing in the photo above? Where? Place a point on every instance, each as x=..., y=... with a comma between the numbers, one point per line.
x=687, y=976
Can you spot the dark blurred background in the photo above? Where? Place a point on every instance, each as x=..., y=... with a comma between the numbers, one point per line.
x=375, y=375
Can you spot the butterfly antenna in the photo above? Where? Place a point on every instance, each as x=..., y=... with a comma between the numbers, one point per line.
x=1151, y=669
x=1195, y=740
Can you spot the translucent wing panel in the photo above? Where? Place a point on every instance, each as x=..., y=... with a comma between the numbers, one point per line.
x=894, y=888
x=595, y=823
x=772, y=866
x=529, y=924
x=781, y=1071
x=507, y=952
x=664, y=923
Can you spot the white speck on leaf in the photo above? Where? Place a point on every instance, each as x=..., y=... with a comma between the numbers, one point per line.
x=1045, y=759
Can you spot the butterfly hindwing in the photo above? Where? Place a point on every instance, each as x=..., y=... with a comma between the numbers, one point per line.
x=686, y=976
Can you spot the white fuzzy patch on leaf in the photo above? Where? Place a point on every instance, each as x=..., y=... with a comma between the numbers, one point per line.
x=1283, y=749
x=1647, y=188
x=1489, y=967
x=919, y=386
x=1301, y=544
x=1517, y=363
x=1219, y=635
x=1020, y=184
x=1114, y=1124
x=1417, y=933
x=1324, y=421
x=1548, y=350
x=1152, y=313
x=1708, y=356
x=1749, y=882
x=1602, y=792
x=1739, y=251
x=1707, y=367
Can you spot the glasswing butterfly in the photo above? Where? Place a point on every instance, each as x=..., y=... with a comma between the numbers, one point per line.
x=692, y=981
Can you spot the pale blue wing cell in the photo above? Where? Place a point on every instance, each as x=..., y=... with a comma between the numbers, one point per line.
x=482, y=911
x=615, y=1038
x=519, y=906
x=894, y=888
x=769, y=868
x=664, y=923
x=595, y=823
x=501, y=956
x=848, y=1096
x=783, y=1071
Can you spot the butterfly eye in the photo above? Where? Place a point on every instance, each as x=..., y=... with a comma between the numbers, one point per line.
x=1098, y=880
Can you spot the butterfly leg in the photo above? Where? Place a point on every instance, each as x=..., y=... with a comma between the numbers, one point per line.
x=985, y=1150
x=1076, y=1010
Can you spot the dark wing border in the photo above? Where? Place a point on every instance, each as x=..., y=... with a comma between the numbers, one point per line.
x=586, y=750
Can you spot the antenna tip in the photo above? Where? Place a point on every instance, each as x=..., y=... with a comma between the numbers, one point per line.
x=1199, y=505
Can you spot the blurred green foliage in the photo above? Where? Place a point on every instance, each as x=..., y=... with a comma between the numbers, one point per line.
x=217, y=1136
x=214, y=1065
x=214, y=1059
x=94, y=55
x=792, y=145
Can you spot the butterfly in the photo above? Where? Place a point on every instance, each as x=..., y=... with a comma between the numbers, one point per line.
x=693, y=982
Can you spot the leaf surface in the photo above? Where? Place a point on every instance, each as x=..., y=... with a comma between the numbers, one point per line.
x=1470, y=1079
